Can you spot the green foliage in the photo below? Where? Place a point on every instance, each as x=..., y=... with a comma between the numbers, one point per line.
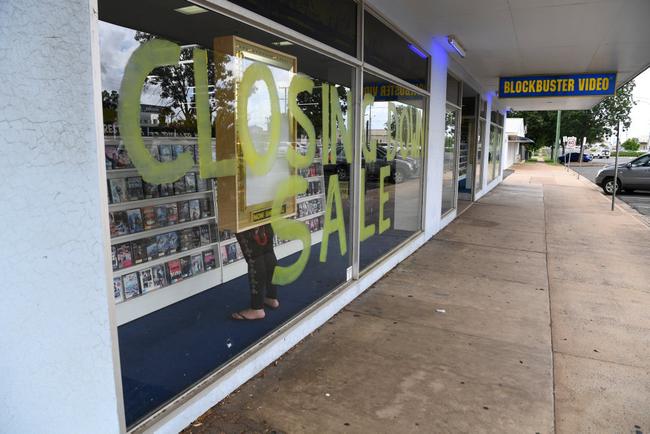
x=631, y=144
x=540, y=127
x=629, y=153
x=596, y=124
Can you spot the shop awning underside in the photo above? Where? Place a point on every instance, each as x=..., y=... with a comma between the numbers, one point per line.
x=506, y=38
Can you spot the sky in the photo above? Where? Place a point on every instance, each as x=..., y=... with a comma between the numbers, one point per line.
x=640, y=115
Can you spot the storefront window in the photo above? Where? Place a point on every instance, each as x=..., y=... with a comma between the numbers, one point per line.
x=449, y=165
x=496, y=139
x=229, y=214
x=384, y=48
x=391, y=167
x=333, y=22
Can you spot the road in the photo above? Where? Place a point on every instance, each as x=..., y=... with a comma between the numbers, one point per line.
x=638, y=200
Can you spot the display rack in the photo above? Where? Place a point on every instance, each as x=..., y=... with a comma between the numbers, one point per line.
x=220, y=245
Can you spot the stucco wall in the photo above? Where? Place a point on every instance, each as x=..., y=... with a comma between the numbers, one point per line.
x=56, y=363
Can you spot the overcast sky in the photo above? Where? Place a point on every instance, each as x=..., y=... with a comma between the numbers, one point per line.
x=640, y=127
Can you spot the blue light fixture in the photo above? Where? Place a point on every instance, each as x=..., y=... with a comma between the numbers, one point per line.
x=417, y=51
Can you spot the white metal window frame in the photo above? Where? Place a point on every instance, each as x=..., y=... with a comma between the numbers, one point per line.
x=185, y=407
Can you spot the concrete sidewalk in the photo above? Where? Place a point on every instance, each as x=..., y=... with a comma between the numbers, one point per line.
x=512, y=319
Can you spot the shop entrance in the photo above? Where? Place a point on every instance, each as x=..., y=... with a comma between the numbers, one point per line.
x=467, y=150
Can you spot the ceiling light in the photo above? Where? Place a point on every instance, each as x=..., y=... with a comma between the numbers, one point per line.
x=456, y=45
x=191, y=10
x=282, y=43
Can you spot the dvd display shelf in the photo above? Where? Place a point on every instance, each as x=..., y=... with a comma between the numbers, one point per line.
x=311, y=212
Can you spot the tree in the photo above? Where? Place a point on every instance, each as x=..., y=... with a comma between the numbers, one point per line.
x=596, y=124
x=540, y=127
x=109, y=106
x=614, y=109
x=631, y=144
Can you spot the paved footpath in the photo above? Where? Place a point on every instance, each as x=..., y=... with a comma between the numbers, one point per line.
x=511, y=320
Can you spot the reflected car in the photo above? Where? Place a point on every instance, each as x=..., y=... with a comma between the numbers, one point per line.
x=401, y=169
x=574, y=157
x=634, y=175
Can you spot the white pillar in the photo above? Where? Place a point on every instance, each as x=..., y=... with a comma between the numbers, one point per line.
x=436, y=140
x=58, y=364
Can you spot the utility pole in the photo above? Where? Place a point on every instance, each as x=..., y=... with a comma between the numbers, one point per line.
x=618, y=142
x=557, y=136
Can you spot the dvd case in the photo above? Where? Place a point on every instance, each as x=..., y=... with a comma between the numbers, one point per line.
x=117, y=187
x=183, y=211
x=118, y=223
x=146, y=280
x=209, y=261
x=161, y=215
x=138, y=251
x=197, y=264
x=186, y=267
x=174, y=271
x=159, y=276
x=134, y=188
x=151, y=244
x=172, y=214
x=149, y=218
x=118, y=289
x=131, y=285
x=151, y=191
x=179, y=186
x=186, y=239
x=204, y=235
x=166, y=189
x=206, y=210
x=190, y=182
x=110, y=153
x=165, y=152
x=134, y=217
x=195, y=209
x=123, y=254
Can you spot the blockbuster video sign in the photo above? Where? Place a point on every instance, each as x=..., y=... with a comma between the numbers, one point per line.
x=557, y=85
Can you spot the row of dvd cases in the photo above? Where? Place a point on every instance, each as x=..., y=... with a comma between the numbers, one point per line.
x=165, y=242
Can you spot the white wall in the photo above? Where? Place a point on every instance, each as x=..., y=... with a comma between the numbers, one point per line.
x=56, y=360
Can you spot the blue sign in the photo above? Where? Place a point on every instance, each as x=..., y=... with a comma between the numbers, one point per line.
x=557, y=85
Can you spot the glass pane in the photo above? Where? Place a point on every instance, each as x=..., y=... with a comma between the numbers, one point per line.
x=333, y=22
x=387, y=50
x=453, y=90
x=449, y=165
x=479, y=155
x=392, y=158
x=221, y=202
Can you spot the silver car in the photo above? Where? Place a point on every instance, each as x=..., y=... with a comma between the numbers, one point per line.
x=634, y=175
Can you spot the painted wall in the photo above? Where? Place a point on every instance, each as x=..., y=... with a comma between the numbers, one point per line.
x=57, y=363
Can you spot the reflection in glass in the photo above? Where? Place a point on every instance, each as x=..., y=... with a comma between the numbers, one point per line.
x=449, y=164
x=392, y=155
x=180, y=271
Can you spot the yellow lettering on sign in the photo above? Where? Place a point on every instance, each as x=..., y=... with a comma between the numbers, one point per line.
x=144, y=59
x=369, y=149
x=338, y=124
x=384, y=224
x=207, y=167
x=518, y=87
x=367, y=231
x=259, y=165
x=336, y=224
x=605, y=83
x=301, y=83
x=572, y=84
x=289, y=229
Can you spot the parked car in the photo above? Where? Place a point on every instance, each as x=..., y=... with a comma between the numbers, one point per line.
x=401, y=169
x=604, y=153
x=634, y=175
x=574, y=157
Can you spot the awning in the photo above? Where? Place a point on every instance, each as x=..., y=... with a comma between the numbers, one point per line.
x=520, y=139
